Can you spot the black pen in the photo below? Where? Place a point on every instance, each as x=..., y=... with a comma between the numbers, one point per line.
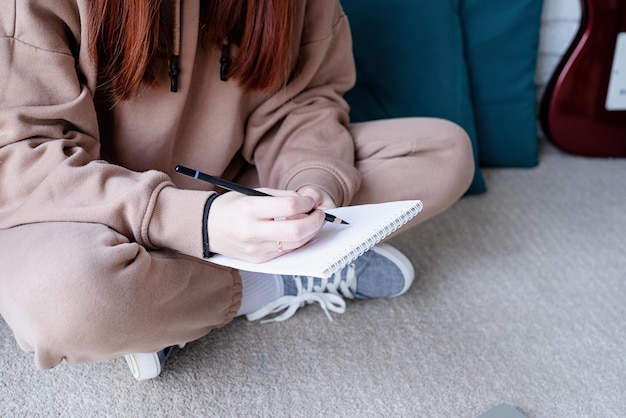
x=229, y=185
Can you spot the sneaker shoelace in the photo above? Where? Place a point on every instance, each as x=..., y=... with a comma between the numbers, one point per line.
x=326, y=292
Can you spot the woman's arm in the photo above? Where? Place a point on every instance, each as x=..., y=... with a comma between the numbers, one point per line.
x=50, y=167
x=299, y=136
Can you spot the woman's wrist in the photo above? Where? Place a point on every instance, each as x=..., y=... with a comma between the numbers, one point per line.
x=206, y=251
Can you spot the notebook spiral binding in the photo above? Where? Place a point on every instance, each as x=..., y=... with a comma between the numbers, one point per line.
x=373, y=238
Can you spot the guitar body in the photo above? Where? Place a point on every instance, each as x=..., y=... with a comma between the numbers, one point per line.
x=575, y=113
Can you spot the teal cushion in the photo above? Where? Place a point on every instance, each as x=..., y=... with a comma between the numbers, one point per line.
x=410, y=62
x=501, y=43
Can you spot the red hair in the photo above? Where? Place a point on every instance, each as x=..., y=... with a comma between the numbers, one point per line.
x=128, y=37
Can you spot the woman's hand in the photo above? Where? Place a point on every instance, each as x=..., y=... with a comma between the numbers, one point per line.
x=322, y=199
x=258, y=228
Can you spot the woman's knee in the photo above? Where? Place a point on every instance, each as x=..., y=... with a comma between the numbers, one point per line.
x=56, y=283
x=91, y=295
x=457, y=152
x=416, y=136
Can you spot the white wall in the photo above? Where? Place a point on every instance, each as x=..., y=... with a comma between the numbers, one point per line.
x=559, y=23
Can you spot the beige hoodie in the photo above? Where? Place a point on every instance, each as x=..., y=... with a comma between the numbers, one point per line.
x=66, y=157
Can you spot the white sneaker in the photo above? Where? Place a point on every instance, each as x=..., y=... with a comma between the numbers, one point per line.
x=146, y=366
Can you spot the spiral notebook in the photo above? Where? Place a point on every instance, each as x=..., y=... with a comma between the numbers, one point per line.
x=336, y=245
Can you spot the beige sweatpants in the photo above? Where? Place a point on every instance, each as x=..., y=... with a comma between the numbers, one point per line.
x=82, y=292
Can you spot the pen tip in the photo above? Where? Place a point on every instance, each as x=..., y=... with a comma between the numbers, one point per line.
x=344, y=222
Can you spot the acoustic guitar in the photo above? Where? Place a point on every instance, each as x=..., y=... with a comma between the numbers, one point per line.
x=583, y=110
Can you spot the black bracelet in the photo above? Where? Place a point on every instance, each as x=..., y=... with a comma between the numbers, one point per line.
x=205, y=226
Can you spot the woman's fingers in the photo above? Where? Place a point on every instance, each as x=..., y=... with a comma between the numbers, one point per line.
x=277, y=207
x=297, y=230
x=322, y=199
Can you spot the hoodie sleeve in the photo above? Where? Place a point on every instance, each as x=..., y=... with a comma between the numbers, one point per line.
x=50, y=169
x=300, y=135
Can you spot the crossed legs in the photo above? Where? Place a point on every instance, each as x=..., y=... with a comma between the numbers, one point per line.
x=82, y=292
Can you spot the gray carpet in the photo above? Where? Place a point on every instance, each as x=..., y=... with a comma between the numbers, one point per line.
x=520, y=299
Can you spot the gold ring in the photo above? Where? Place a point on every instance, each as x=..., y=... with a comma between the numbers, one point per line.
x=280, y=246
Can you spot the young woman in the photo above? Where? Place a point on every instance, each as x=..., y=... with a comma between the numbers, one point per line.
x=103, y=247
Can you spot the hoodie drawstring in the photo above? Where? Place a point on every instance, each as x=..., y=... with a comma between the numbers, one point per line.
x=225, y=62
x=175, y=59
